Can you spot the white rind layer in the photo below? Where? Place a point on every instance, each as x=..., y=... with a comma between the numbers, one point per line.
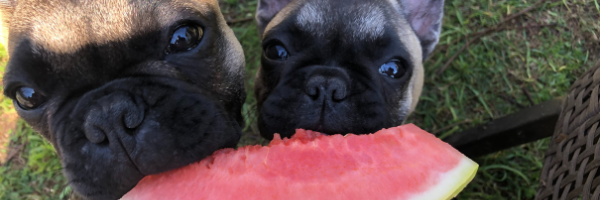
x=452, y=182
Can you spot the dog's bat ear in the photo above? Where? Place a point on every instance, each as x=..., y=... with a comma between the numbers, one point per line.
x=266, y=10
x=425, y=17
x=6, y=10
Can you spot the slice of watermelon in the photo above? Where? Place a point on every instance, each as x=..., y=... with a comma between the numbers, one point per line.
x=397, y=163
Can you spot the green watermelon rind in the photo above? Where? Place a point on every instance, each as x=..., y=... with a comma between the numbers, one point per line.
x=453, y=182
x=470, y=170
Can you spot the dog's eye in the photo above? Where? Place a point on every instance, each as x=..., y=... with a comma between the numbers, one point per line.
x=185, y=38
x=394, y=69
x=28, y=98
x=276, y=52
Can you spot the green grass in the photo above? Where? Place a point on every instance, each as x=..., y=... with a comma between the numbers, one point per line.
x=492, y=77
x=487, y=81
x=36, y=172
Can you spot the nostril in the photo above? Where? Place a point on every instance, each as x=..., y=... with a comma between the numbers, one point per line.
x=312, y=91
x=337, y=89
x=339, y=94
x=133, y=117
x=331, y=88
x=94, y=134
x=314, y=87
x=93, y=126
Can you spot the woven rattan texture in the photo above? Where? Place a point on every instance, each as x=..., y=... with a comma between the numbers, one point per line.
x=571, y=166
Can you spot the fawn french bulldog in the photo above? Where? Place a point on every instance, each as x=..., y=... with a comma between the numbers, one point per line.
x=124, y=88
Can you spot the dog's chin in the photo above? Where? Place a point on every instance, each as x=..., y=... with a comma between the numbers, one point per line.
x=111, y=137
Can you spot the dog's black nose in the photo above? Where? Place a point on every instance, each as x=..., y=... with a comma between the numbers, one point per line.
x=326, y=85
x=113, y=112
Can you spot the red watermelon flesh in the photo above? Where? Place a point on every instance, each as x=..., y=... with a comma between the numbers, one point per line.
x=398, y=163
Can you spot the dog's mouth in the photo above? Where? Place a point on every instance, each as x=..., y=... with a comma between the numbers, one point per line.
x=320, y=129
x=325, y=131
x=324, y=127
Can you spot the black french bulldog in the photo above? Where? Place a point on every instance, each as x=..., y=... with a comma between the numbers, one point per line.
x=342, y=66
x=124, y=88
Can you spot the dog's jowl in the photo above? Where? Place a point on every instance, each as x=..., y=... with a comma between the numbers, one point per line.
x=342, y=66
x=124, y=88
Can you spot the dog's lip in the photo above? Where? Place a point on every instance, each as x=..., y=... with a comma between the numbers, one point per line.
x=321, y=130
x=128, y=155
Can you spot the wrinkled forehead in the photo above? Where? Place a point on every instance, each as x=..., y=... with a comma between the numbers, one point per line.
x=63, y=26
x=360, y=19
x=351, y=21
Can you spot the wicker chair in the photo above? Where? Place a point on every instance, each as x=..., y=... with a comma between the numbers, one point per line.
x=571, y=167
